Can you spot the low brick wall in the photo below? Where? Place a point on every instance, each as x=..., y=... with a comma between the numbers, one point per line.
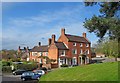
x=54, y=65
x=47, y=66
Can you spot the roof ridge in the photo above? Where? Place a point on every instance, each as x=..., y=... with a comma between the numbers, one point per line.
x=73, y=35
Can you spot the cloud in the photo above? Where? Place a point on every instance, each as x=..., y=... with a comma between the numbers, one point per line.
x=40, y=27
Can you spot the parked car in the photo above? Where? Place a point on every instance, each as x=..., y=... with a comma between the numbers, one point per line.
x=41, y=72
x=44, y=69
x=18, y=72
x=30, y=76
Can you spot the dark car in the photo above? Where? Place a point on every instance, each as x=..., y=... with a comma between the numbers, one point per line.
x=30, y=76
x=44, y=69
x=18, y=72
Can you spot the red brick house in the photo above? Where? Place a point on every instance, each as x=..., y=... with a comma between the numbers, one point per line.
x=68, y=49
x=38, y=51
x=24, y=52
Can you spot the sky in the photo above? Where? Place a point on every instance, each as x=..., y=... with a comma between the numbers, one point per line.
x=27, y=23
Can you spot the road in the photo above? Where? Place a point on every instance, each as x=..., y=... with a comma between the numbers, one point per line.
x=8, y=78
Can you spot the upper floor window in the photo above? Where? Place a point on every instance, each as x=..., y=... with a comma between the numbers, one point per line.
x=81, y=44
x=87, y=51
x=63, y=53
x=74, y=44
x=87, y=45
x=46, y=53
x=34, y=53
x=74, y=51
x=40, y=53
x=81, y=51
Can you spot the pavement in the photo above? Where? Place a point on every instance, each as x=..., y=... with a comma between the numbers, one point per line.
x=8, y=78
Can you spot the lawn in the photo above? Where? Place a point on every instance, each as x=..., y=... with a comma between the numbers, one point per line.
x=94, y=72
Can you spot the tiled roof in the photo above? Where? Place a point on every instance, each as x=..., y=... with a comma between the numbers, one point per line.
x=76, y=38
x=61, y=45
x=40, y=49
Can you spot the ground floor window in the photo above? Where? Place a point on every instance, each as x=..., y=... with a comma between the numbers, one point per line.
x=74, y=61
x=62, y=61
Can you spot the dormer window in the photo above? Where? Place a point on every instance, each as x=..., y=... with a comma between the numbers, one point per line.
x=74, y=44
x=81, y=44
x=87, y=45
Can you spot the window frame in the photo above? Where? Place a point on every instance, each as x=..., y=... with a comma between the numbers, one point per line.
x=81, y=51
x=87, y=45
x=81, y=44
x=74, y=61
x=63, y=51
x=74, y=51
x=74, y=43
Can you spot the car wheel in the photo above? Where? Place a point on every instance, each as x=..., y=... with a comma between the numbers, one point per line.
x=23, y=79
x=15, y=74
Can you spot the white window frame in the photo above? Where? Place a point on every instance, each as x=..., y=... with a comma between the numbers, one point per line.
x=81, y=44
x=74, y=44
x=81, y=51
x=40, y=60
x=63, y=51
x=87, y=52
x=46, y=53
x=62, y=61
x=74, y=61
x=75, y=51
x=34, y=54
x=87, y=45
x=40, y=53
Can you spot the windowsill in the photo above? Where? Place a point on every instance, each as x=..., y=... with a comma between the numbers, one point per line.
x=62, y=55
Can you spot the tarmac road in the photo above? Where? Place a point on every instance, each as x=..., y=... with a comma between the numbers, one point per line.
x=9, y=78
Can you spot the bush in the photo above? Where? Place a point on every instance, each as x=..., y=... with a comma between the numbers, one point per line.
x=6, y=69
x=25, y=66
x=64, y=65
x=6, y=63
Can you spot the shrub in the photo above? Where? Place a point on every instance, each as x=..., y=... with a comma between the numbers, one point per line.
x=6, y=69
x=25, y=66
x=6, y=63
x=64, y=65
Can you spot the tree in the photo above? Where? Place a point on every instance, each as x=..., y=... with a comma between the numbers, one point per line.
x=108, y=47
x=108, y=22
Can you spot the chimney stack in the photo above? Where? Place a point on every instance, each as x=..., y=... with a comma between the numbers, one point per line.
x=19, y=48
x=49, y=41
x=84, y=35
x=24, y=48
x=39, y=44
x=53, y=38
x=62, y=31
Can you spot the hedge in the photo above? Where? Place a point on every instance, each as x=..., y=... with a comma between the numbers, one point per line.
x=6, y=63
x=64, y=65
x=6, y=69
x=25, y=66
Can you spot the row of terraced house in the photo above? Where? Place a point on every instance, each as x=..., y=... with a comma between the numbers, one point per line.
x=68, y=49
